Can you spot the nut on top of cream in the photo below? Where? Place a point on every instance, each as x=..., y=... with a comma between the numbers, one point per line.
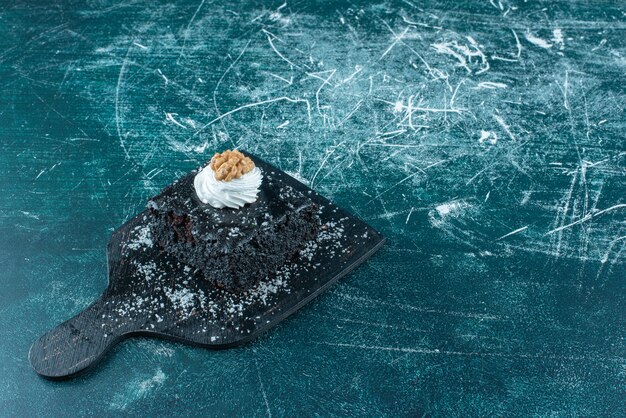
x=230, y=180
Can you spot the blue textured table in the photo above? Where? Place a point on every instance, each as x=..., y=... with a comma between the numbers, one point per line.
x=485, y=139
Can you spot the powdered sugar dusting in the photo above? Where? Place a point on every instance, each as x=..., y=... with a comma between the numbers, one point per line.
x=141, y=238
x=186, y=300
x=175, y=293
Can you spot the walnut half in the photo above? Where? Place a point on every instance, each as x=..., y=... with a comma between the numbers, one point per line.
x=230, y=165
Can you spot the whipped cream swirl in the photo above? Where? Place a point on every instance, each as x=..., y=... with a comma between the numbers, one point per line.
x=231, y=194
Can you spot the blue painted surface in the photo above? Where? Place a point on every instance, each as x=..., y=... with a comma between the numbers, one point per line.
x=484, y=139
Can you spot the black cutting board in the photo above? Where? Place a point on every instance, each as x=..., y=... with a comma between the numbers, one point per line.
x=150, y=293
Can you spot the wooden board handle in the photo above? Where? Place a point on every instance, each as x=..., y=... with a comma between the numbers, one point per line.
x=73, y=345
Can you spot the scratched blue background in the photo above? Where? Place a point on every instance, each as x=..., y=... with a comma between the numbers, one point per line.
x=485, y=139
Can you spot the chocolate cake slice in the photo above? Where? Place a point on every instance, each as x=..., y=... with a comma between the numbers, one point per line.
x=234, y=248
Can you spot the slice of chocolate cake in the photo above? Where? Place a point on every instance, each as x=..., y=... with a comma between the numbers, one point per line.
x=234, y=246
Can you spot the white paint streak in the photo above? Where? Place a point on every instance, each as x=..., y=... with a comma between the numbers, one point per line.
x=182, y=49
x=170, y=117
x=541, y=43
x=586, y=218
x=250, y=105
x=436, y=351
x=518, y=44
x=447, y=208
x=262, y=387
x=488, y=136
x=504, y=126
x=557, y=38
x=270, y=40
x=517, y=231
x=120, y=79
x=409, y=216
x=491, y=85
x=137, y=390
x=397, y=39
